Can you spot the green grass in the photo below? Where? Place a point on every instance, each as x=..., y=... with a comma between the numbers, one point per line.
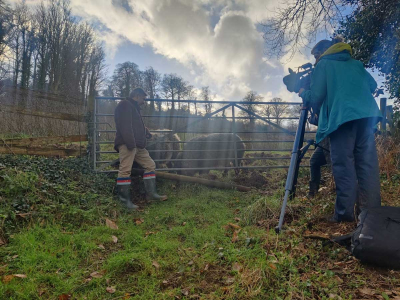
x=184, y=249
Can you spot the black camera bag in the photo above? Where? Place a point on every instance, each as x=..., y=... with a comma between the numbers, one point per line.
x=376, y=239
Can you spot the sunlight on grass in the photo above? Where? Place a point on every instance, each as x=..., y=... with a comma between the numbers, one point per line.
x=202, y=243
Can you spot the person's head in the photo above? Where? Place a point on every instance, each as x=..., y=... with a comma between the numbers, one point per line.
x=324, y=45
x=138, y=95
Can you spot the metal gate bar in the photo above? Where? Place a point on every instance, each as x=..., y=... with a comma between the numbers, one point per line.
x=208, y=132
x=206, y=159
x=218, y=168
x=192, y=142
x=207, y=150
x=204, y=101
x=197, y=119
x=201, y=117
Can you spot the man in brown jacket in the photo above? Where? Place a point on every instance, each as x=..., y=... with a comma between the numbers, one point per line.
x=130, y=142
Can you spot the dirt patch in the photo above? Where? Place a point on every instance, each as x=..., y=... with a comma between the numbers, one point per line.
x=210, y=277
x=251, y=179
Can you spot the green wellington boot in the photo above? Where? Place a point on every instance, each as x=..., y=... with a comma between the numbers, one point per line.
x=124, y=196
x=151, y=191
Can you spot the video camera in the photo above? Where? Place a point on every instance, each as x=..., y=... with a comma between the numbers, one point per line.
x=302, y=79
x=297, y=80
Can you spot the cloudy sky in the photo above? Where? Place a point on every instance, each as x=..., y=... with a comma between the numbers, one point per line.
x=212, y=43
x=215, y=43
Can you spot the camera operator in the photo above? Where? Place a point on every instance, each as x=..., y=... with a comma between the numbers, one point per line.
x=319, y=158
x=321, y=155
x=343, y=88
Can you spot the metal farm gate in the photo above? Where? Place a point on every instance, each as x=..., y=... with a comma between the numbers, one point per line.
x=103, y=133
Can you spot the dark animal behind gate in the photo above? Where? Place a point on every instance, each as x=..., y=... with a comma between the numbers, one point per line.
x=223, y=142
x=169, y=150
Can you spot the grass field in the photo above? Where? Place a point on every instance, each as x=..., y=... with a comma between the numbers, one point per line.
x=65, y=237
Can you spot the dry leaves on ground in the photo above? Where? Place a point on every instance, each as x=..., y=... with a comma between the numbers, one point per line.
x=8, y=278
x=111, y=289
x=111, y=224
x=115, y=239
x=97, y=274
x=272, y=266
x=156, y=265
x=367, y=291
x=235, y=236
x=237, y=267
x=139, y=221
x=234, y=226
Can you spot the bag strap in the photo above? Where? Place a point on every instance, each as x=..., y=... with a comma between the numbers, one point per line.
x=344, y=240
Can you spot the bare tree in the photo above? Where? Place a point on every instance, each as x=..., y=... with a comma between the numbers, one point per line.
x=293, y=111
x=42, y=56
x=86, y=59
x=6, y=36
x=268, y=111
x=171, y=86
x=61, y=25
x=152, y=81
x=108, y=91
x=206, y=96
x=49, y=50
x=125, y=78
x=181, y=87
x=298, y=22
x=253, y=97
x=95, y=70
x=158, y=103
x=5, y=25
x=191, y=94
x=276, y=111
x=22, y=44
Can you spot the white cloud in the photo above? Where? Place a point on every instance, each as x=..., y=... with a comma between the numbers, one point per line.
x=111, y=42
x=216, y=40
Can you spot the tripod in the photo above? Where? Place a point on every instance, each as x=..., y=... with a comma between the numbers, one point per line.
x=298, y=153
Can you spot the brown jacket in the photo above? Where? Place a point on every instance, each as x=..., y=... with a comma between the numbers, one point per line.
x=130, y=127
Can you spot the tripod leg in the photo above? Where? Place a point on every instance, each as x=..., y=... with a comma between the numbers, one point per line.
x=294, y=165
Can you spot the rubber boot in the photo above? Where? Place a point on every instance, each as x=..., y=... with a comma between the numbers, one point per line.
x=312, y=192
x=124, y=196
x=151, y=191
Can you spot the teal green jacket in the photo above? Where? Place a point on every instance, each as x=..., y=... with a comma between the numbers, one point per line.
x=344, y=88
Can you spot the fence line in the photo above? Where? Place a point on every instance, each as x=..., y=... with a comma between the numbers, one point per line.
x=192, y=126
x=48, y=115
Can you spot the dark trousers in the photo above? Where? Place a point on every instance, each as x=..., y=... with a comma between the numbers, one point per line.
x=317, y=160
x=355, y=168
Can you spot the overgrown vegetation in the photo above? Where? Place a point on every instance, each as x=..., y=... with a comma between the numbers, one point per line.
x=64, y=236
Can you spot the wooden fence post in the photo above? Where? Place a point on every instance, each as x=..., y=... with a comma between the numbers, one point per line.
x=90, y=126
x=383, y=111
x=389, y=114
